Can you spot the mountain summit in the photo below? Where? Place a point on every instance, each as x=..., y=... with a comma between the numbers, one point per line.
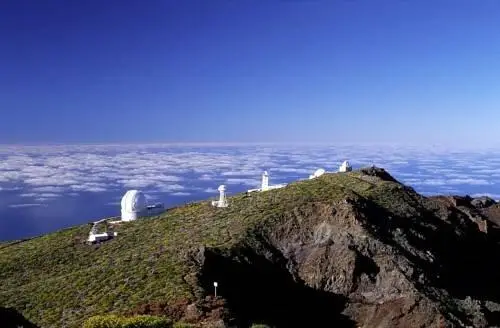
x=354, y=249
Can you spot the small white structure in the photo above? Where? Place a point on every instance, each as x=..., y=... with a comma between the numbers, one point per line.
x=265, y=184
x=95, y=237
x=317, y=173
x=222, y=202
x=98, y=237
x=155, y=209
x=133, y=205
x=345, y=167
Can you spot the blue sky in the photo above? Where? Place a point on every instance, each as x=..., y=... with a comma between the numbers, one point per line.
x=249, y=71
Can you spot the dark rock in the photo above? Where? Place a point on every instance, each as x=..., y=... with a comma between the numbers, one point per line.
x=192, y=313
x=483, y=202
x=10, y=318
x=378, y=172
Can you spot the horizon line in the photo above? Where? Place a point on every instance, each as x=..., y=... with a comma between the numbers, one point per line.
x=400, y=144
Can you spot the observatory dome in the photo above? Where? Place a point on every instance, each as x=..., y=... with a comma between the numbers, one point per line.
x=319, y=172
x=133, y=205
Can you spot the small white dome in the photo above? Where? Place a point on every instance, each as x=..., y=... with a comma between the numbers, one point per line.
x=133, y=203
x=222, y=188
x=319, y=172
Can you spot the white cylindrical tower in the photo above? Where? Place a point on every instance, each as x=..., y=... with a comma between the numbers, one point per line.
x=265, y=181
x=133, y=205
x=222, y=196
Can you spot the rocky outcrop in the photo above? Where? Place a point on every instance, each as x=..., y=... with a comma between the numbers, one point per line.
x=474, y=208
x=354, y=263
x=483, y=202
x=377, y=172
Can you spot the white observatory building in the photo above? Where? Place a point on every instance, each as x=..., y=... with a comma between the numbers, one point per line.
x=222, y=202
x=265, y=184
x=134, y=205
x=317, y=173
x=345, y=167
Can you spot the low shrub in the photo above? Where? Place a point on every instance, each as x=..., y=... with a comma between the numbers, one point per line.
x=114, y=321
x=185, y=325
x=146, y=321
x=103, y=321
x=259, y=325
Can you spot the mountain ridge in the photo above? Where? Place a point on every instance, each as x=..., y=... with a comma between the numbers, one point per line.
x=361, y=243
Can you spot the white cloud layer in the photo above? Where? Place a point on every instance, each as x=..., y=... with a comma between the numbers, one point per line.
x=47, y=172
x=494, y=196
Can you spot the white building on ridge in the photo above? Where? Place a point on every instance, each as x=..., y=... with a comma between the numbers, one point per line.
x=265, y=181
x=133, y=205
x=95, y=237
x=99, y=237
x=317, y=173
x=345, y=167
x=222, y=202
x=265, y=184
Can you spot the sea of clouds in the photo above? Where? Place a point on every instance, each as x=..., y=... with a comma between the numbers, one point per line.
x=76, y=183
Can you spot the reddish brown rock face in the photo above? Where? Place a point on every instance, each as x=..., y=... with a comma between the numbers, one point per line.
x=383, y=268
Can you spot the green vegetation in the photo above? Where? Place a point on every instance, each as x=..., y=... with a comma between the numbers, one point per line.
x=184, y=325
x=114, y=321
x=58, y=280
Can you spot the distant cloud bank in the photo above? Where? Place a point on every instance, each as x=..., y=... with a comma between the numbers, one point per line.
x=43, y=173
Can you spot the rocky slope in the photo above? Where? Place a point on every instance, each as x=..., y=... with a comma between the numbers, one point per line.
x=343, y=250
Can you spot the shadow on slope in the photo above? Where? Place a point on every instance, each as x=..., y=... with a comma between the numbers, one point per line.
x=10, y=318
x=259, y=290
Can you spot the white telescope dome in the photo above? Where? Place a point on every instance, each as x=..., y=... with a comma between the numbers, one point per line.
x=222, y=188
x=133, y=204
x=319, y=172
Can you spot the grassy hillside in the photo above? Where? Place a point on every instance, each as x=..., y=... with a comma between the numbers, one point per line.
x=57, y=279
